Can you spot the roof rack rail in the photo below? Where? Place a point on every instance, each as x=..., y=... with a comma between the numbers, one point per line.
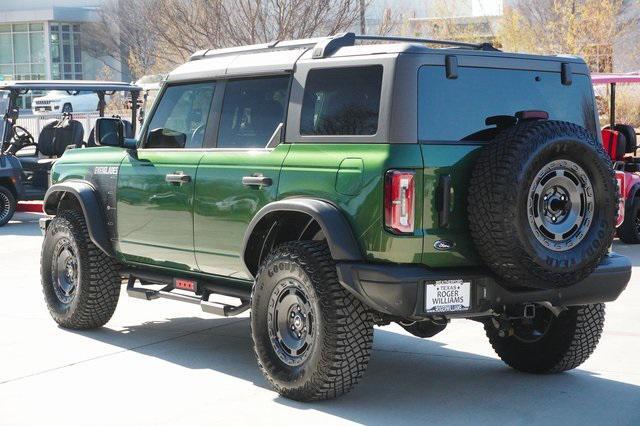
x=324, y=46
x=256, y=48
x=476, y=46
x=330, y=44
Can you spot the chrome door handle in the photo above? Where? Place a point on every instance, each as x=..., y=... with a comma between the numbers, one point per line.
x=177, y=178
x=259, y=181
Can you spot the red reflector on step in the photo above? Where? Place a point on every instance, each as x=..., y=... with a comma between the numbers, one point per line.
x=183, y=284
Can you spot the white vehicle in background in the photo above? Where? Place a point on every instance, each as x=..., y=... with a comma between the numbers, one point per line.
x=57, y=101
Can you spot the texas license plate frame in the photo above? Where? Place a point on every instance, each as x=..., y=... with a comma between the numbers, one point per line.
x=448, y=296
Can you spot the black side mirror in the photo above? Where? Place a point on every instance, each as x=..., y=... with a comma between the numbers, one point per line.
x=109, y=132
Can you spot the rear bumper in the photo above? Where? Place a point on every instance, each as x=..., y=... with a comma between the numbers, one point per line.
x=399, y=290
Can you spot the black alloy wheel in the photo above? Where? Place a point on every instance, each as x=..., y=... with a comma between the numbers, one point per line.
x=291, y=322
x=64, y=271
x=7, y=205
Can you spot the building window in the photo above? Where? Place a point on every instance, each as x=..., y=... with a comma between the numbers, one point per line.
x=22, y=54
x=66, y=52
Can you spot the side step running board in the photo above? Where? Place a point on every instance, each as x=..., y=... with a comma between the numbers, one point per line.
x=209, y=307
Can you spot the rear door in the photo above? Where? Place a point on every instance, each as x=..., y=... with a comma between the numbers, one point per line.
x=156, y=184
x=240, y=175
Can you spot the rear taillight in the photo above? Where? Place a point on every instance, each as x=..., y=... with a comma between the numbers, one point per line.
x=399, y=196
x=621, y=191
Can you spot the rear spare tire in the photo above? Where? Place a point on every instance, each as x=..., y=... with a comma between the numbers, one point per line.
x=542, y=204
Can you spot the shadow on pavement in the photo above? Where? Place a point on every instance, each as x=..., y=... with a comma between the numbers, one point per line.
x=632, y=251
x=22, y=224
x=409, y=380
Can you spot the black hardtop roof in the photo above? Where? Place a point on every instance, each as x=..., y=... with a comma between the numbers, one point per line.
x=69, y=85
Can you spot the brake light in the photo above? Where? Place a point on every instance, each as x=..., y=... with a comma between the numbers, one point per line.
x=399, y=195
x=621, y=191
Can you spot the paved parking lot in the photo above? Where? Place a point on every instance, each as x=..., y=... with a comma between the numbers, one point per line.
x=164, y=362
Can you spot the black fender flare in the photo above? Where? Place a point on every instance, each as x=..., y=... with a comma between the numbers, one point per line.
x=342, y=243
x=85, y=193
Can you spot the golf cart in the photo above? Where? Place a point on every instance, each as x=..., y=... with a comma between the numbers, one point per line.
x=620, y=142
x=25, y=162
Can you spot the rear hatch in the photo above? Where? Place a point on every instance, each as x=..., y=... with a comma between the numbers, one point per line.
x=452, y=127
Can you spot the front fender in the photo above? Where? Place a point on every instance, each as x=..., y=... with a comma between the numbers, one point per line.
x=86, y=196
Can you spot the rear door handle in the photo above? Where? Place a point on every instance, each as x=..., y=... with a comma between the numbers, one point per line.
x=178, y=178
x=259, y=181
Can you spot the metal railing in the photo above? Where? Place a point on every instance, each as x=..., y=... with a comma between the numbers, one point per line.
x=35, y=123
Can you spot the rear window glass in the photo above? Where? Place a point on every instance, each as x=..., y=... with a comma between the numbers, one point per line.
x=342, y=101
x=456, y=109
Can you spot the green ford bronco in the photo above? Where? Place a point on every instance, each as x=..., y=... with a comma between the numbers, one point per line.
x=338, y=183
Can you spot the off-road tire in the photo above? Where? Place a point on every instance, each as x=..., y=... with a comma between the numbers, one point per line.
x=629, y=231
x=340, y=351
x=98, y=282
x=506, y=171
x=570, y=340
x=8, y=205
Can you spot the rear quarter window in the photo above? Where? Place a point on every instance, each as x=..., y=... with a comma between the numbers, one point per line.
x=456, y=109
x=342, y=101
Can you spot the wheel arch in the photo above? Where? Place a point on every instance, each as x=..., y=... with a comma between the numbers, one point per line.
x=8, y=183
x=297, y=219
x=79, y=193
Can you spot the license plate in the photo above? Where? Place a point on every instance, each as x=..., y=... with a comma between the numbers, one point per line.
x=448, y=296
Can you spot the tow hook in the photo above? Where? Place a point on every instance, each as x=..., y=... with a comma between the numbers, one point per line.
x=529, y=311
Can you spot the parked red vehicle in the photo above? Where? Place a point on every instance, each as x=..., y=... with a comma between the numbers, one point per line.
x=620, y=141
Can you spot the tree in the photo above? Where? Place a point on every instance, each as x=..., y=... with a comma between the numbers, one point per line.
x=588, y=28
x=449, y=23
x=156, y=35
x=121, y=33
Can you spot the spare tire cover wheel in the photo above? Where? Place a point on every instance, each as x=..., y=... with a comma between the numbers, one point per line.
x=542, y=204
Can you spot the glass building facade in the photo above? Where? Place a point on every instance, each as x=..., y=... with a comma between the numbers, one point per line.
x=66, y=51
x=43, y=39
x=22, y=51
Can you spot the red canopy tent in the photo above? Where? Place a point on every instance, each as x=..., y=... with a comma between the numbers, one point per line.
x=612, y=80
x=615, y=78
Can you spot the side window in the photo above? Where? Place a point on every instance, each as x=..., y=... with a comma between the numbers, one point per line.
x=252, y=109
x=180, y=119
x=342, y=101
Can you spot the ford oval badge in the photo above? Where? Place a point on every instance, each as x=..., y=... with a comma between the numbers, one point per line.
x=443, y=245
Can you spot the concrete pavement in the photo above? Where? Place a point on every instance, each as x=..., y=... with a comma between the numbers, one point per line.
x=164, y=362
